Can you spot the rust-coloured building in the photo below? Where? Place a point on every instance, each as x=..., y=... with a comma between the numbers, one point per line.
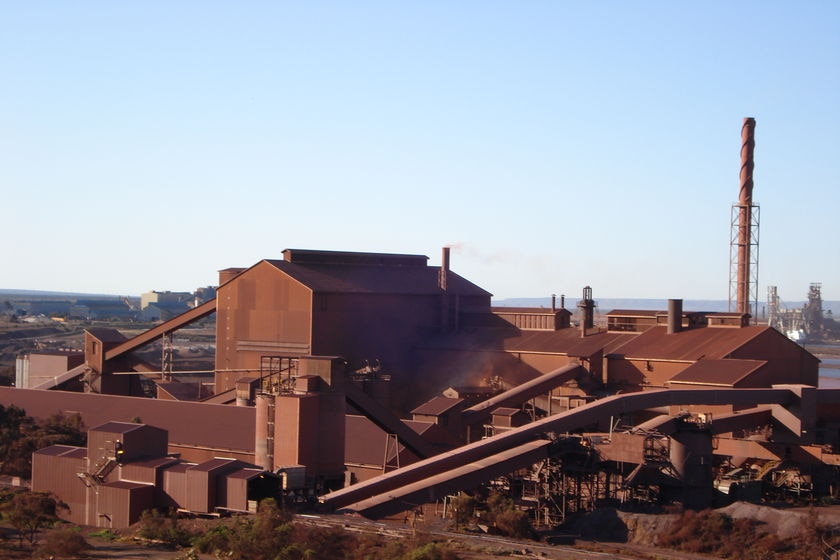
x=298, y=337
x=360, y=306
x=125, y=471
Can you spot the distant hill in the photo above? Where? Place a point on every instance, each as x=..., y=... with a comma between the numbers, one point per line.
x=603, y=304
x=45, y=294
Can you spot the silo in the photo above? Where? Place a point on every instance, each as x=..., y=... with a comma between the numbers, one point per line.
x=691, y=456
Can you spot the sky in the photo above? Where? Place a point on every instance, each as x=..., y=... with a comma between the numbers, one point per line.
x=552, y=145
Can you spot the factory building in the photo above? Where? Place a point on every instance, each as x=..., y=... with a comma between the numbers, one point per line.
x=364, y=307
x=651, y=407
x=286, y=412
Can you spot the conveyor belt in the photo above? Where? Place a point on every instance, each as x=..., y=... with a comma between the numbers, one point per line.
x=446, y=465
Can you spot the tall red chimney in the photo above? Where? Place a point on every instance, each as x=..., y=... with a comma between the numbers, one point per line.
x=745, y=215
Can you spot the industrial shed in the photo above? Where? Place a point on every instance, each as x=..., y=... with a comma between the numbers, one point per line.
x=125, y=471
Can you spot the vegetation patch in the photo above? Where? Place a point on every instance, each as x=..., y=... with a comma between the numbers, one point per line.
x=718, y=534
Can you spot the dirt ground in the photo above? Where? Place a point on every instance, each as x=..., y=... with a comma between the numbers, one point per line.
x=639, y=532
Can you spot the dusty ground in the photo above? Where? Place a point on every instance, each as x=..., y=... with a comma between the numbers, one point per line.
x=599, y=541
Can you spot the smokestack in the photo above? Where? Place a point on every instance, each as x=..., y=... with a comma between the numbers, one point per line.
x=674, y=315
x=587, y=311
x=562, y=301
x=443, y=277
x=444, y=269
x=745, y=215
x=553, y=301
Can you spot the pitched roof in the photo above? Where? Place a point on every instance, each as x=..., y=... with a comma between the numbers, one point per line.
x=246, y=473
x=566, y=341
x=505, y=411
x=211, y=465
x=117, y=427
x=688, y=345
x=725, y=373
x=437, y=406
x=375, y=279
x=107, y=335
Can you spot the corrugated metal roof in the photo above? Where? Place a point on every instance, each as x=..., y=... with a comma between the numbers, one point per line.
x=310, y=256
x=179, y=468
x=504, y=411
x=117, y=427
x=245, y=474
x=689, y=344
x=154, y=463
x=107, y=335
x=725, y=373
x=213, y=465
x=63, y=451
x=437, y=406
x=566, y=341
x=372, y=279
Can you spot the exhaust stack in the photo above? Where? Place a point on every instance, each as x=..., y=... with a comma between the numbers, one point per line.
x=674, y=315
x=446, y=311
x=745, y=205
x=587, y=311
x=444, y=269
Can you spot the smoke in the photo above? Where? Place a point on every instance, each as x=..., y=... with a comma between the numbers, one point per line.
x=506, y=257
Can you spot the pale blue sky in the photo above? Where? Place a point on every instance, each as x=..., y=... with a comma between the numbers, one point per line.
x=146, y=145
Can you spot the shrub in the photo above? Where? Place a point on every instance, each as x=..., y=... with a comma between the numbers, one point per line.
x=217, y=538
x=163, y=528
x=506, y=518
x=514, y=523
x=29, y=512
x=430, y=551
x=64, y=543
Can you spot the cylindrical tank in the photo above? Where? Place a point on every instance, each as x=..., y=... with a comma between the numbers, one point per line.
x=261, y=454
x=691, y=456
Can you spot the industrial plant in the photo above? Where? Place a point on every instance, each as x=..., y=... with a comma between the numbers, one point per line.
x=380, y=383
